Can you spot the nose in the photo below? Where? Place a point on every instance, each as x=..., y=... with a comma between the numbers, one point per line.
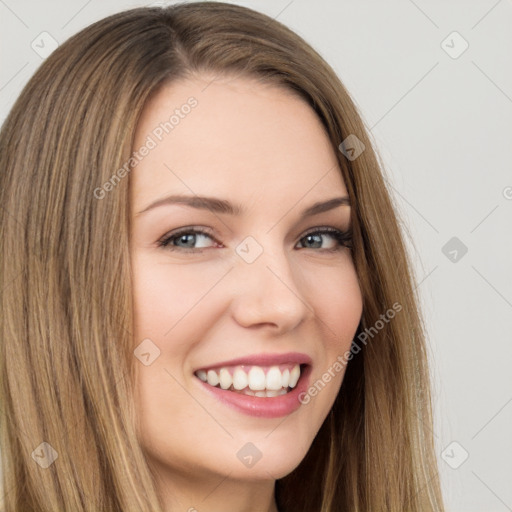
x=268, y=293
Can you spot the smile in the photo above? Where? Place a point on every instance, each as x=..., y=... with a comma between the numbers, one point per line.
x=261, y=385
x=252, y=380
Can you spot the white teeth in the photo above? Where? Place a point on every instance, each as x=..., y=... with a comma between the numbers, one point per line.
x=212, y=378
x=225, y=378
x=274, y=380
x=256, y=378
x=294, y=376
x=285, y=379
x=274, y=383
x=240, y=380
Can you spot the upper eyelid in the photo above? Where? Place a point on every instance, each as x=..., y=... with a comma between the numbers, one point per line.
x=207, y=232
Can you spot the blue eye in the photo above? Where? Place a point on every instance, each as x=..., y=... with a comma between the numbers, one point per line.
x=343, y=238
x=189, y=238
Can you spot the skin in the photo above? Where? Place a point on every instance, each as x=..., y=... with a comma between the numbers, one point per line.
x=264, y=148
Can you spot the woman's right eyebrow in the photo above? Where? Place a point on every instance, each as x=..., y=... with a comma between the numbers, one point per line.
x=218, y=205
x=206, y=203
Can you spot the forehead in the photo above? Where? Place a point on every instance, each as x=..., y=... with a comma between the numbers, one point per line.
x=232, y=137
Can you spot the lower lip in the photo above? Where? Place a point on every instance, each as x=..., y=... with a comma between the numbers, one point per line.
x=263, y=407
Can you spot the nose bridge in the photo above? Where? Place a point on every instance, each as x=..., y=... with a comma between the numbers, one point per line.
x=268, y=292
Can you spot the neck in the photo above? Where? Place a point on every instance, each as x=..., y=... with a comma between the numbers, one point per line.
x=215, y=493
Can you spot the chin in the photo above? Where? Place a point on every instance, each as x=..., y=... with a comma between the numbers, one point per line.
x=274, y=456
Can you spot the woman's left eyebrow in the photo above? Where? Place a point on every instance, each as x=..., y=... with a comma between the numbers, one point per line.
x=223, y=206
x=324, y=206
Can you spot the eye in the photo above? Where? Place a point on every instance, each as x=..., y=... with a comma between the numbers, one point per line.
x=185, y=239
x=315, y=237
x=186, y=236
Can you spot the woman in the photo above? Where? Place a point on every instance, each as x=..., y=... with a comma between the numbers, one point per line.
x=279, y=366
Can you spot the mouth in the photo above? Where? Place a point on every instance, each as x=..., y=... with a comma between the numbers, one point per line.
x=265, y=386
x=253, y=380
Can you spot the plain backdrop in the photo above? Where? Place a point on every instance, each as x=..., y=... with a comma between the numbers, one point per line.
x=433, y=81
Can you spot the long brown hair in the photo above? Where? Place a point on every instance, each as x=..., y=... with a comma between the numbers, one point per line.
x=66, y=341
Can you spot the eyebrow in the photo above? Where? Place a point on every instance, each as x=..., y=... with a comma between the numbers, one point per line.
x=222, y=206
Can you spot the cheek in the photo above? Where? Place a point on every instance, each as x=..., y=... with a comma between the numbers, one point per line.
x=345, y=310
x=164, y=294
x=338, y=307
x=338, y=304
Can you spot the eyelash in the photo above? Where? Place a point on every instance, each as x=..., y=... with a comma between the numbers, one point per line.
x=344, y=239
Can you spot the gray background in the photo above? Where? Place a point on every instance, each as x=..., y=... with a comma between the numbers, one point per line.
x=443, y=126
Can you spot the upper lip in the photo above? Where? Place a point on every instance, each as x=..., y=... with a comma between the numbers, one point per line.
x=263, y=360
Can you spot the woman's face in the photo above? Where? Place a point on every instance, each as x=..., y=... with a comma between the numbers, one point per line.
x=253, y=298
